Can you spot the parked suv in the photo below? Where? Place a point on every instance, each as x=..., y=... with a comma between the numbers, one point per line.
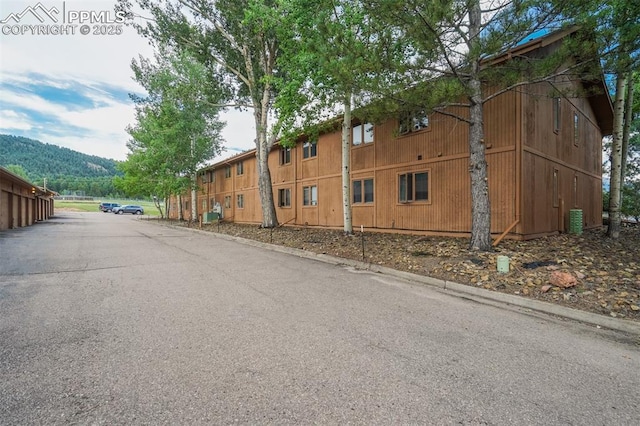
x=128, y=209
x=108, y=207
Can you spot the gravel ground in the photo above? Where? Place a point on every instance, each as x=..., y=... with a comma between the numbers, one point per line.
x=604, y=275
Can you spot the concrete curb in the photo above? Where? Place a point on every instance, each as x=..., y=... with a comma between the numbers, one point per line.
x=477, y=294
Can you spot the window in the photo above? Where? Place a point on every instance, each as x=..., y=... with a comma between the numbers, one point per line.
x=240, y=168
x=285, y=156
x=213, y=202
x=208, y=177
x=240, y=201
x=368, y=190
x=284, y=197
x=309, y=149
x=204, y=205
x=227, y=172
x=556, y=115
x=227, y=202
x=310, y=195
x=575, y=190
x=576, y=128
x=413, y=187
x=357, y=191
x=360, y=196
x=413, y=122
x=362, y=133
x=186, y=205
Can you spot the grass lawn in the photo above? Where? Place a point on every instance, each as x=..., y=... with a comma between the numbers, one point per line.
x=92, y=206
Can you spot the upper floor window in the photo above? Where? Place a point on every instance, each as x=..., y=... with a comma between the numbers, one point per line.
x=285, y=155
x=413, y=122
x=309, y=149
x=240, y=168
x=208, y=176
x=227, y=172
x=362, y=133
x=413, y=187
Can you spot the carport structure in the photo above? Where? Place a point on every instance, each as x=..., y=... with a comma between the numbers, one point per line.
x=21, y=202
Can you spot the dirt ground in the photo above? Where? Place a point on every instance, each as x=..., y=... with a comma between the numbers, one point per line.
x=588, y=272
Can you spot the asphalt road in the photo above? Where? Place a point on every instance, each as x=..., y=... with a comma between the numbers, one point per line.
x=107, y=319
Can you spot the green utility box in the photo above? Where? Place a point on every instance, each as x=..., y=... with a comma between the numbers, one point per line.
x=210, y=217
x=575, y=221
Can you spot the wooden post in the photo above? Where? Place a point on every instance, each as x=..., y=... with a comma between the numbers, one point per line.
x=506, y=231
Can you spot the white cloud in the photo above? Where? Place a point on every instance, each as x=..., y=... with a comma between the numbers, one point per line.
x=14, y=120
x=28, y=101
x=92, y=67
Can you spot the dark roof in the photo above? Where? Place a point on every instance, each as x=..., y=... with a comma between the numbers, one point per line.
x=598, y=97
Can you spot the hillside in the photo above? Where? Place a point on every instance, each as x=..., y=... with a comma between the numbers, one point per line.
x=45, y=160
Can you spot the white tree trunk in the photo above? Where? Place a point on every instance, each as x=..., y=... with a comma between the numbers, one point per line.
x=626, y=130
x=194, y=205
x=615, y=190
x=346, y=159
x=156, y=202
x=167, y=207
x=269, y=217
x=263, y=147
x=194, y=185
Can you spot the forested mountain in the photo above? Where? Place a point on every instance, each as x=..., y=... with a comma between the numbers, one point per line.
x=66, y=170
x=42, y=159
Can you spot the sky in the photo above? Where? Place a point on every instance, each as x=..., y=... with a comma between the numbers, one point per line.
x=71, y=89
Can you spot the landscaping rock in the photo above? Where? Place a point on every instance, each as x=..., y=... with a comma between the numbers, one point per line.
x=562, y=279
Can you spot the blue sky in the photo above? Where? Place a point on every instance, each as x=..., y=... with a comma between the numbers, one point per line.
x=73, y=90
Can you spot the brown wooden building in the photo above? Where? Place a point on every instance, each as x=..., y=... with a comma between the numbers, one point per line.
x=544, y=158
x=22, y=203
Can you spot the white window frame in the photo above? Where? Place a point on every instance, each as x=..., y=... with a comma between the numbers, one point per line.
x=362, y=134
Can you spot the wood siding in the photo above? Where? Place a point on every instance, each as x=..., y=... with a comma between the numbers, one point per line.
x=559, y=163
x=536, y=175
x=22, y=203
